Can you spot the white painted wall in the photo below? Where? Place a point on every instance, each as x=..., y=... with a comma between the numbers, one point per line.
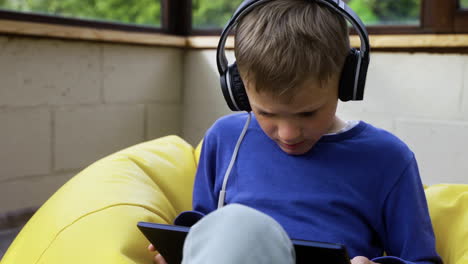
x=422, y=98
x=66, y=104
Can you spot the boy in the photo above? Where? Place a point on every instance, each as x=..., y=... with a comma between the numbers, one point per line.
x=299, y=165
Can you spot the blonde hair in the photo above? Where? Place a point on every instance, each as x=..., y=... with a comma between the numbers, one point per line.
x=283, y=43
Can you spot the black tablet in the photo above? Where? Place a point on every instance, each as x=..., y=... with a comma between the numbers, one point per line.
x=169, y=241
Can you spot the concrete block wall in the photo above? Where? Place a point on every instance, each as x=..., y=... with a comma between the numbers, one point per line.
x=65, y=104
x=422, y=98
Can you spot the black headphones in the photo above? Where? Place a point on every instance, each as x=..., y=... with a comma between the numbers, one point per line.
x=353, y=76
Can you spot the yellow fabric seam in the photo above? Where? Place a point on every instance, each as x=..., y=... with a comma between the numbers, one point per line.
x=148, y=173
x=88, y=214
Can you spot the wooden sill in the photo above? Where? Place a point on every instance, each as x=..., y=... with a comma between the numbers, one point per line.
x=390, y=42
x=91, y=34
x=376, y=41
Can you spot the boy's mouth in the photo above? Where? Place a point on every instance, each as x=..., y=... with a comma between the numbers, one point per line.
x=291, y=146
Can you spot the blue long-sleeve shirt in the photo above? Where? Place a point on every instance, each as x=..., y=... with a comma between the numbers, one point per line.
x=360, y=188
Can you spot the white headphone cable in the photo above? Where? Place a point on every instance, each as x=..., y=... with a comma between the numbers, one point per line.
x=222, y=193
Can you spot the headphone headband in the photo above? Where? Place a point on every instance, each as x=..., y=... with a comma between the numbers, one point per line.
x=337, y=5
x=353, y=76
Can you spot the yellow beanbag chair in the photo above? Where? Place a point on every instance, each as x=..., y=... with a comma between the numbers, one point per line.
x=93, y=217
x=448, y=206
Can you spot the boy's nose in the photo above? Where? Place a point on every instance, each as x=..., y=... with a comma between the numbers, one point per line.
x=289, y=133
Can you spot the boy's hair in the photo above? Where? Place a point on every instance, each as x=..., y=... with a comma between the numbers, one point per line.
x=283, y=43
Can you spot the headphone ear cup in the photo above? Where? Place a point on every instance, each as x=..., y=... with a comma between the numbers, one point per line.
x=234, y=90
x=238, y=89
x=226, y=89
x=348, y=76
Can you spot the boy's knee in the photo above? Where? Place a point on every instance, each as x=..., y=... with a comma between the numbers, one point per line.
x=243, y=217
x=240, y=220
x=235, y=233
x=238, y=212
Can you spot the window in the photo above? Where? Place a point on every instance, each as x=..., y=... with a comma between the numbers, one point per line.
x=381, y=17
x=464, y=4
x=207, y=17
x=134, y=12
x=209, y=14
x=395, y=12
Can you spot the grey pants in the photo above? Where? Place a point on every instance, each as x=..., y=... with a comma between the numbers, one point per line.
x=238, y=234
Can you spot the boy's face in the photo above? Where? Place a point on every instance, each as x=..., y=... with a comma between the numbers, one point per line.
x=297, y=125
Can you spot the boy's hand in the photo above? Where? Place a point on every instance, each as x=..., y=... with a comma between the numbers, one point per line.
x=158, y=259
x=361, y=260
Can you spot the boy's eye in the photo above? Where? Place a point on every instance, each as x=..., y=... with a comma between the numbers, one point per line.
x=307, y=114
x=266, y=114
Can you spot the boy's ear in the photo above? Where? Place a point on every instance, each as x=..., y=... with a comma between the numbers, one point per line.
x=234, y=90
